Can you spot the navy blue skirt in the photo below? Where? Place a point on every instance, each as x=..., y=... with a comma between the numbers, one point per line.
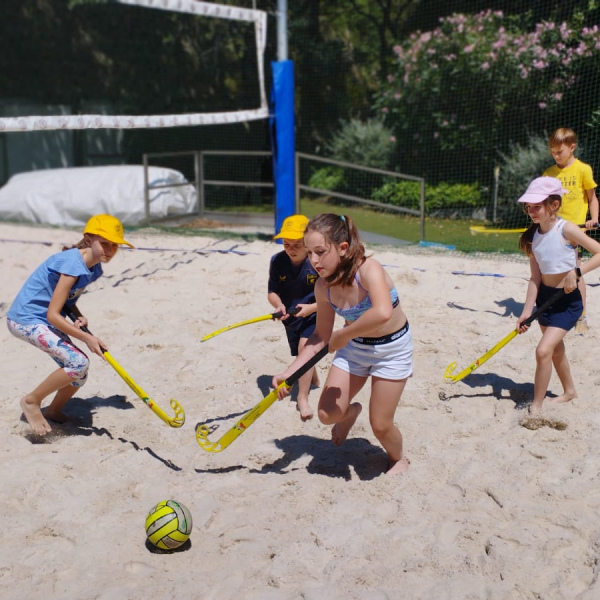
x=564, y=313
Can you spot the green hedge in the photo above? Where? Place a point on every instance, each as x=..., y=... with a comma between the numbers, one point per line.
x=442, y=196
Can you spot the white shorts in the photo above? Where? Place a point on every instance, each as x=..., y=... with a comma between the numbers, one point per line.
x=392, y=360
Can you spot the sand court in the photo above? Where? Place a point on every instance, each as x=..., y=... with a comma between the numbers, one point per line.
x=488, y=509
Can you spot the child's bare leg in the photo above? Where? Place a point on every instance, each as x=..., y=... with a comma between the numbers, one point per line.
x=334, y=406
x=306, y=412
x=54, y=411
x=32, y=402
x=551, y=338
x=563, y=370
x=340, y=431
x=385, y=395
x=315, y=378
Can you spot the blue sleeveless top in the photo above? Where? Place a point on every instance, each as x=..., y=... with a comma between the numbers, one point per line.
x=30, y=307
x=354, y=312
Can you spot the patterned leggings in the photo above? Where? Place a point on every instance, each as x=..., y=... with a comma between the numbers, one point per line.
x=58, y=345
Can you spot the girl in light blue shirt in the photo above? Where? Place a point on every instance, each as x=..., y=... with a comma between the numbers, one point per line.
x=38, y=317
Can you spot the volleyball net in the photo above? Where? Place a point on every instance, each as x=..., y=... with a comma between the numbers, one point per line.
x=99, y=65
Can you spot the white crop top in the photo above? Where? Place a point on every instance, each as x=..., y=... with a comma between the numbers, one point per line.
x=553, y=252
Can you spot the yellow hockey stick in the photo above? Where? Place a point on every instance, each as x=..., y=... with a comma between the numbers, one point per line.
x=449, y=375
x=276, y=315
x=176, y=421
x=203, y=431
x=474, y=229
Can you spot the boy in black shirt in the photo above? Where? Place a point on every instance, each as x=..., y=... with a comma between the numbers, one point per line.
x=292, y=286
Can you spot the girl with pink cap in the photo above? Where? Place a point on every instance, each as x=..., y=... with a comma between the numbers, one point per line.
x=551, y=245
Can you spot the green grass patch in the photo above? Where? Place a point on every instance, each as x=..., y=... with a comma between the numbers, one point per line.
x=450, y=232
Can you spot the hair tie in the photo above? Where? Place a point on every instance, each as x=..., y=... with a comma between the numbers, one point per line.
x=343, y=218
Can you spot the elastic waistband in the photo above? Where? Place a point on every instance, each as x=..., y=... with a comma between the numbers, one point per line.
x=385, y=339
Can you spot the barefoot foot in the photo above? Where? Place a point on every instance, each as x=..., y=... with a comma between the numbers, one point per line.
x=306, y=412
x=563, y=398
x=339, y=432
x=34, y=416
x=399, y=466
x=535, y=409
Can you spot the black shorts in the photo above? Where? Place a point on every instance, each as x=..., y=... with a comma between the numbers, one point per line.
x=301, y=328
x=564, y=313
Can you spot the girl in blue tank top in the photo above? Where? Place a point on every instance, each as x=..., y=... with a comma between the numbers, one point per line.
x=37, y=316
x=375, y=340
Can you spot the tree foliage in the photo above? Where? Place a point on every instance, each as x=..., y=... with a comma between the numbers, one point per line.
x=457, y=89
x=467, y=87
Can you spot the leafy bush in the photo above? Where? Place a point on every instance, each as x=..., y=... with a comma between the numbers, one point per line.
x=447, y=196
x=516, y=169
x=453, y=195
x=462, y=90
x=327, y=178
x=367, y=143
x=399, y=193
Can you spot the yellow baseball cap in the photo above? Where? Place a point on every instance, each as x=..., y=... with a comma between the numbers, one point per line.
x=293, y=228
x=108, y=227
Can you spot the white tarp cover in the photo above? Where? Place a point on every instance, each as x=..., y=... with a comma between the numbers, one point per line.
x=71, y=196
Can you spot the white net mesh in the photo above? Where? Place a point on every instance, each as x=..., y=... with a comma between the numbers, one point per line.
x=100, y=121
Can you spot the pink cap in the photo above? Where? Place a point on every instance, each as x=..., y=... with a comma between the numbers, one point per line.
x=542, y=187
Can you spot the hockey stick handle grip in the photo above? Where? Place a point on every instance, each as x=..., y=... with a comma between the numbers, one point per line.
x=74, y=318
x=309, y=364
x=292, y=312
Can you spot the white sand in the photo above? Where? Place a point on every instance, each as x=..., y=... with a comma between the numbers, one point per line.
x=489, y=509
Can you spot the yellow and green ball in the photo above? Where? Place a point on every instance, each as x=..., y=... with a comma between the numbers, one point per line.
x=168, y=525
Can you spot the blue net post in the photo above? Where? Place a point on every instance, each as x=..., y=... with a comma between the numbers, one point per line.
x=283, y=140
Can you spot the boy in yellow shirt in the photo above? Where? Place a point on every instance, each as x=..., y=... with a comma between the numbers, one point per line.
x=576, y=177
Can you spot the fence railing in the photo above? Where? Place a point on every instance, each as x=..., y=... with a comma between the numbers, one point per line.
x=202, y=181
x=300, y=186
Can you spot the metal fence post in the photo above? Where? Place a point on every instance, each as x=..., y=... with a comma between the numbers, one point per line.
x=146, y=191
x=297, y=184
x=422, y=202
x=200, y=185
x=199, y=207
